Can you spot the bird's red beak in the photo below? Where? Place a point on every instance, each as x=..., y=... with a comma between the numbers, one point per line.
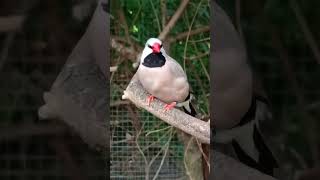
x=156, y=48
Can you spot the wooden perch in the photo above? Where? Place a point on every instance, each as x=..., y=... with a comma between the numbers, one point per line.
x=188, y=124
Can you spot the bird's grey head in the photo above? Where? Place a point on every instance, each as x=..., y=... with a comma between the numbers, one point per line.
x=153, y=45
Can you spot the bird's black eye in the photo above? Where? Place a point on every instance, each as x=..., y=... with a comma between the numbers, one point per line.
x=161, y=46
x=149, y=46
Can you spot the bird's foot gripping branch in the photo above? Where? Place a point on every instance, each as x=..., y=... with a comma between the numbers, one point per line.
x=188, y=124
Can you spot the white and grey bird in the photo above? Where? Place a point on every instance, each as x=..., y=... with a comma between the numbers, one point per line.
x=238, y=109
x=164, y=78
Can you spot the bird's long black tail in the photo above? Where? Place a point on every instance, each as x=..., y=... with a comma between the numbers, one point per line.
x=266, y=162
x=190, y=110
x=187, y=106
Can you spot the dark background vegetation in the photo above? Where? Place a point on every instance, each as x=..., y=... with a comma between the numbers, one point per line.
x=31, y=58
x=287, y=65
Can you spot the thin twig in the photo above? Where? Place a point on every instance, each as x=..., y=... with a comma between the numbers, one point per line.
x=163, y=12
x=185, y=155
x=119, y=103
x=309, y=125
x=190, y=33
x=125, y=26
x=164, y=156
x=137, y=13
x=128, y=53
x=200, y=40
x=202, y=65
x=136, y=122
x=305, y=29
x=197, y=56
x=158, y=130
x=155, y=14
x=190, y=27
x=163, y=35
x=206, y=158
x=199, y=81
x=142, y=154
x=148, y=146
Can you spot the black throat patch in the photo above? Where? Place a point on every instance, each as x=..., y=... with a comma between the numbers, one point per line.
x=154, y=60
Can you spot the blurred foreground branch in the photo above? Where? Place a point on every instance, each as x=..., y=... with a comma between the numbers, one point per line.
x=78, y=96
x=11, y=23
x=225, y=167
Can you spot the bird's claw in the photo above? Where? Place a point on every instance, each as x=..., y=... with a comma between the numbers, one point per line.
x=150, y=99
x=170, y=106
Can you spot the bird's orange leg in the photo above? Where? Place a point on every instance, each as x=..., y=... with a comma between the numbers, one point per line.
x=170, y=106
x=150, y=99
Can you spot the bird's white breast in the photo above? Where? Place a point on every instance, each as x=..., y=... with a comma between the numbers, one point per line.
x=163, y=83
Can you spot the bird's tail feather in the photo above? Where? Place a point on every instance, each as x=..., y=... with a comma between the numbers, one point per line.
x=189, y=109
x=266, y=161
x=187, y=106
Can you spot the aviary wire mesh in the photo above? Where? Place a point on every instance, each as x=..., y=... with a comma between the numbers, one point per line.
x=142, y=145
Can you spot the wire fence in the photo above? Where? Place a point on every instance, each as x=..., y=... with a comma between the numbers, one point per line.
x=142, y=146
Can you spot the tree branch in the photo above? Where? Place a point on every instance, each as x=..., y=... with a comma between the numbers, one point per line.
x=191, y=33
x=126, y=52
x=193, y=126
x=163, y=4
x=306, y=30
x=198, y=56
x=122, y=19
x=173, y=20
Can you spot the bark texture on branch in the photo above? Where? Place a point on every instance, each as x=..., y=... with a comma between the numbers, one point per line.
x=188, y=124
